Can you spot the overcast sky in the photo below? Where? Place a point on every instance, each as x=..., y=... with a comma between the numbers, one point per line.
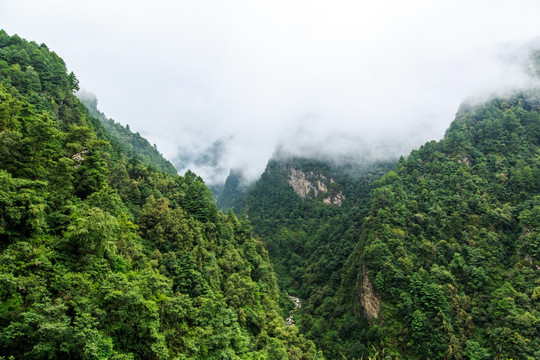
x=331, y=76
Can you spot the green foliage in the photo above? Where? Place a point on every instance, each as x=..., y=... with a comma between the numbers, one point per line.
x=309, y=241
x=467, y=209
x=448, y=240
x=102, y=255
x=105, y=257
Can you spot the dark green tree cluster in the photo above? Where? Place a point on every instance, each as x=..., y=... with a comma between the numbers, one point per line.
x=451, y=240
x=103, y=256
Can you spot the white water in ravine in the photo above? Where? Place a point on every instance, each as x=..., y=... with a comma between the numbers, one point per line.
x=297, y=305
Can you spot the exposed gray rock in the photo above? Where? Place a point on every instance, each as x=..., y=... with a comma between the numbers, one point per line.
x=370, y=299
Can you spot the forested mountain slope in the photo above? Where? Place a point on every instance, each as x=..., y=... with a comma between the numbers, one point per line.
x=309, y=214
x=440, y=260
x=233, y=193
x=451, y=244
x=133, y=144
x=102, y=256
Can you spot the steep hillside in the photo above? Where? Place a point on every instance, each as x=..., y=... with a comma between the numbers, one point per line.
x=133, y=144
x=437, y=259
x=308, y=214
x=104, y=257
x=451, y=242
x=233, y=194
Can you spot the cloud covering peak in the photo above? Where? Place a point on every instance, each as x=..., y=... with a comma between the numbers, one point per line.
x=219, y=85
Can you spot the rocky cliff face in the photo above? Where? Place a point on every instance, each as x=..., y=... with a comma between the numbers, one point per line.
x=337, y=199
x=370, y=300
x=310, y=185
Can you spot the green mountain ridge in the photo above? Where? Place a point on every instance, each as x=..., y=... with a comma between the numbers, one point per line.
x=439, y=258
x=133, y=144
x=450, y=242
x=105, y=252
x=308, y=213
x=105, y=257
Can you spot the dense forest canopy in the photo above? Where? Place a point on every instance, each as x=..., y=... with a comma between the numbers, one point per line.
x=451, y=240
x=104, y=256
x=105, y=252
x=309, y=215
x=437, y=259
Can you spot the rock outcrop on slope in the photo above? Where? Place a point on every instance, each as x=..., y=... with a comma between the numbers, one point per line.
x=310, y=185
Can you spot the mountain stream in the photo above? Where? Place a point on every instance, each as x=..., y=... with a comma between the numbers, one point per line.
x=297, y=305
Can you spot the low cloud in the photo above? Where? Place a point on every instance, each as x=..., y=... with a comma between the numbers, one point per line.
x=229, y=82
x=208, y=161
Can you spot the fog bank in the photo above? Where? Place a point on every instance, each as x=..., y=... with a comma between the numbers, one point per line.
x=219, y=85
